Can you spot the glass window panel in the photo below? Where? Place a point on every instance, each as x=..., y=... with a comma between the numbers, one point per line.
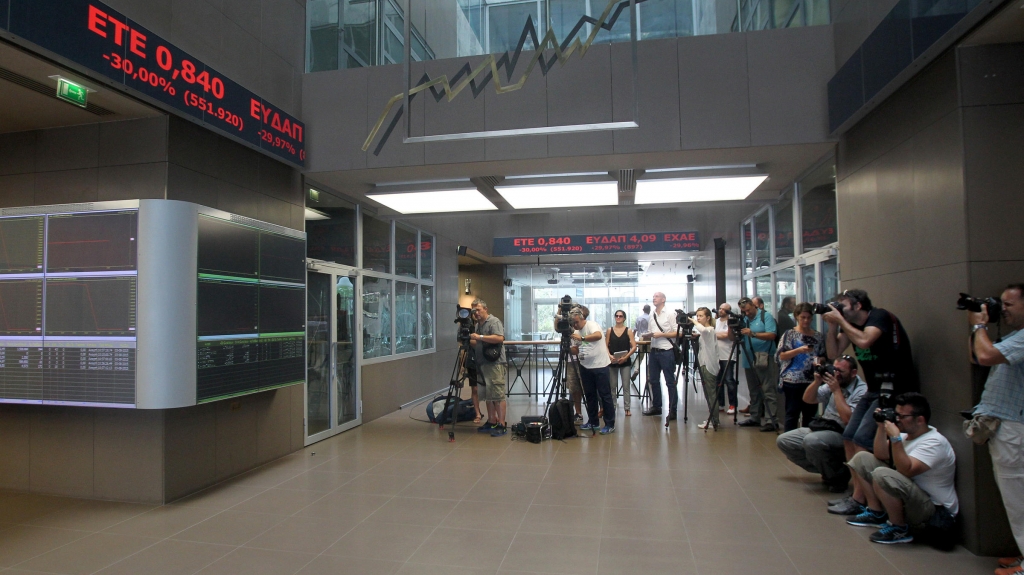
x=829, y=278
x=360, y=30
x=405, y=317
x=405, y=251
x=810, y=291
x=762, y=257
x=748, y=249
x=784, y=228
x=818, y=207
x=564, y=14
x=333, y=239
x=665, y=19
x=376, y=244
x=345, y=365
x=426, y=256
x=763, y=288
x=318, y=353
x=785, y=286
x=376, y=317
x=506, y=22
x=324, y=33
x=783, y=9
x=427, y=317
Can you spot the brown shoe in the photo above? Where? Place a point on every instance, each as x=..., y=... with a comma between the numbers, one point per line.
x=745, y=409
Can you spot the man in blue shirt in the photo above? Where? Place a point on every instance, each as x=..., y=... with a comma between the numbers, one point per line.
x=758, y=361
x=1003, y=398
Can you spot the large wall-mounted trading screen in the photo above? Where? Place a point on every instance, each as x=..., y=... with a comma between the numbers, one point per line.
x=250, y=309
x=68, y=284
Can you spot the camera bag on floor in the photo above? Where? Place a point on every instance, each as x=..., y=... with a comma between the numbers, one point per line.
x=560, y=419
x=464, y=409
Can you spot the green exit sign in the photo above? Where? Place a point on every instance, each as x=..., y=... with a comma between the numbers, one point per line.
x=71, y=92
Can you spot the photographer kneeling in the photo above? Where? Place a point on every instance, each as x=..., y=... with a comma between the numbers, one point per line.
x=592, y=351
x=819, y=448
x=919, y=483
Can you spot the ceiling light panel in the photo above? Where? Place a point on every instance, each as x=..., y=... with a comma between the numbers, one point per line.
x=561, y=195
x=670, y=191
x=435, y=201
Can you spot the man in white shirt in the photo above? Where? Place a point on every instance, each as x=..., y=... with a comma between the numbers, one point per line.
x=724, y=339
x=662, y=359
x=592, y=351
x=919, y=484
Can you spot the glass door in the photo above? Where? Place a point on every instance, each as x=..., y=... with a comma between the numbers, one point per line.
x=333, y=395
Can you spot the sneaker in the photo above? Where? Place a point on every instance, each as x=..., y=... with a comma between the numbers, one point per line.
x=869, y=518
x=749, y=423
x=1012, y=570
x=499, y=430
x=851, y=507
x=840, y=501
x=606, y=430
x=704, y=424
x=589, y=426
x=1006, y=562
x=578, y=419
x=731, y=410
x=891, y=534
x=485, y=428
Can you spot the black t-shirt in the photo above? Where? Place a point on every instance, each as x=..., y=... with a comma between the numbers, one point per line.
x=888, y=354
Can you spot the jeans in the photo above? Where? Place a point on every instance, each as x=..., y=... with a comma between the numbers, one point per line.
x=662, y=361
x=620, y=376
x=796, y=407
x=596, y=385
x=1007, y=450
x=764, y=406
x=861, y=427
x=730, y=383
x=818, y=452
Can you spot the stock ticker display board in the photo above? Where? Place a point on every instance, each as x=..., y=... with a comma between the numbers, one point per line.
x=91, y=34
x=250, y=310
x=67, y=308
x=598, y=244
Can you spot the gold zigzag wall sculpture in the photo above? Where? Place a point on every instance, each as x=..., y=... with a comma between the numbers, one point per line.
x=607, y=20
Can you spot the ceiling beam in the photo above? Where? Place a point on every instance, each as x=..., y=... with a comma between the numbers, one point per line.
x=485, y=185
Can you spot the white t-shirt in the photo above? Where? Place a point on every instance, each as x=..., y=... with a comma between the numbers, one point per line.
x=708, y=355
x=724, y=345
x=934, y=450
x=593, y=354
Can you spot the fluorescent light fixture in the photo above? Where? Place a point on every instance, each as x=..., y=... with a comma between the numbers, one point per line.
x=567, y=195
x=434, y=201
x=312, y=214
x=670, y=191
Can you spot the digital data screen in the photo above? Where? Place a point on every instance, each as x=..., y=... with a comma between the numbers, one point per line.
x=21, y=307
x=251, y=310
x=21, y=245
x=91, y=242
x=282, y=258
x=227, y=249
x=227, y=307
x=68, y=298
x=93, y=306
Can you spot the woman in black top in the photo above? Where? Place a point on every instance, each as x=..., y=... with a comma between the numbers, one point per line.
x=620, y=338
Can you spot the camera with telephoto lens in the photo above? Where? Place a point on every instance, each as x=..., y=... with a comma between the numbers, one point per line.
x=562, y=324
x=822, y=308
x=886, y=404
x=824, y=368
x=464, y=317
x=993, y=305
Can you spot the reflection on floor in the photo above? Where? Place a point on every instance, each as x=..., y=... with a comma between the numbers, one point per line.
x=395, y=497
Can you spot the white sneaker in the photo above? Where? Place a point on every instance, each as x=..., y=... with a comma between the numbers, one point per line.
x=704, y=425
x=732, y=410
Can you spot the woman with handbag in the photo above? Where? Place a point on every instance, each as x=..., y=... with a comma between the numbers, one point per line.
x=621, y=339
x=795, y=356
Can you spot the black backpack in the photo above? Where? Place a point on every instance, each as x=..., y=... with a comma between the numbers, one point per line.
x=560, y=419
x=463, y=408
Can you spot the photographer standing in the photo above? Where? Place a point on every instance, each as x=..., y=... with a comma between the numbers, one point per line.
x=490, y=331
x=707, y=359
x=759, y=365
x=594, y=359
x=818, y=447
x=883, y=352
x=1000, y=414
x=662, y=359
x=724, y=336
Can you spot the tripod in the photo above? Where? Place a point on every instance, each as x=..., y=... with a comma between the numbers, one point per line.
x=730, y=363
x=455, y=386
x=683, y=368
x=558, y=387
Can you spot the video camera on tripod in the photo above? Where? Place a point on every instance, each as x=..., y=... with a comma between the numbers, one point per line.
x=464, y=317
x=735, y=323
x=562, y=323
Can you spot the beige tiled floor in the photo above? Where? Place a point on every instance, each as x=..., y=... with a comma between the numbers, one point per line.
x=395, y=497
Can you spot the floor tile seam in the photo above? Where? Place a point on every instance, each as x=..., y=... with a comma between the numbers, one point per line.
x=679, y=511
x=233, y=547
x=84, y=535
x=515, y=533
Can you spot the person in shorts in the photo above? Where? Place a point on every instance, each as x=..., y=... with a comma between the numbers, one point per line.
x=489, y=330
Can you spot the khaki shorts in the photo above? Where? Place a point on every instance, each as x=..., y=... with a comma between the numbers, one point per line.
x=494, y=380
x=917, y=505
x=572, y=379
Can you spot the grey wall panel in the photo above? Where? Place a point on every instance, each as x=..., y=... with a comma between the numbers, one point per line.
x=280, y=20
x=336, y=116
x=166, y=372
x=991, y=75
x=245, y=13
x=382, y=83
x=15, y=449
x=17, y=190
x=54, y=153
x=714, y=103
x=65, y=187
x=657, y=96
x=788, y=74
x=994, y=144
x=273, y=70
x=238, y=46
x=853, y=22
x=133, y=142
x=463, y=114
x=18, y=152
x=273, y=211
x=60, y=452
x=580, y=92
x=132, y=182
x=940, y=223
x=128, y=453
x=524, y=108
